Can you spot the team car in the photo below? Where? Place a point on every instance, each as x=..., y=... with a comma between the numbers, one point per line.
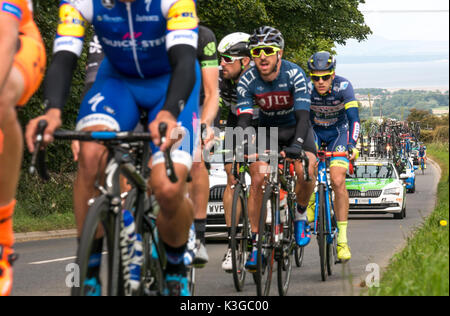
x=377, y=188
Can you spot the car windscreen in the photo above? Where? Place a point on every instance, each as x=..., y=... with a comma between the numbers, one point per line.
x=380, y=171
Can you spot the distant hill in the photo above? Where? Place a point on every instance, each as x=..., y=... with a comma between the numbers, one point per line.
x=397, y=104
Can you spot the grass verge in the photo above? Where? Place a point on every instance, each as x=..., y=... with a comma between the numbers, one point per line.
x=422, y=267
x=44, y=206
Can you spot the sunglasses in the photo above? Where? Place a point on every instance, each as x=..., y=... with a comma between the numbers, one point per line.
x=229, y=59
x=268, y=51
x=324, y=77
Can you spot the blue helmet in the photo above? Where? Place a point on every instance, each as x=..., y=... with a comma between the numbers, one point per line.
x=321, y=61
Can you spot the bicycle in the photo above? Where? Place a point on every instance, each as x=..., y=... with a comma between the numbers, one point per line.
x=276, y=239
x=325, y=223
x=422, y=164
x=128, y=154
x=241, y=236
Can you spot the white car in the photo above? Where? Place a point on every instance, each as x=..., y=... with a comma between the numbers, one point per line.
x=376, y=187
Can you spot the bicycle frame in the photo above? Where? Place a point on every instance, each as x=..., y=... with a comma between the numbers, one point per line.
x=322, y=179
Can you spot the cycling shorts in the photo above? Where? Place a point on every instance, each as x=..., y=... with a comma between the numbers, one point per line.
x=336, y=139
x=30, y=60
x=115, y=101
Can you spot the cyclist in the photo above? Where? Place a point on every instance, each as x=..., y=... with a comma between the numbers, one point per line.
x=280, y=90
x=150, y=62
x=234, y=60
x=423, y=155
x=21, y=72
x=335, y=118
x=199, y=188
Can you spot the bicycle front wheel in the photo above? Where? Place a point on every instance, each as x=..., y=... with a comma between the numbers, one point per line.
x=240, y=237
x=322, y=233
x=265, y=246
x=99, y=212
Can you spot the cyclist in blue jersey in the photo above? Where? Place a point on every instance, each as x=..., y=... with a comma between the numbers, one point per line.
x=150, y=63
x=280, y=90
x=423, y=155
x=335, y=118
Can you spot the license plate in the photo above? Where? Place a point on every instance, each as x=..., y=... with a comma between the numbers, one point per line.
x=215, y=208
x=363, y=201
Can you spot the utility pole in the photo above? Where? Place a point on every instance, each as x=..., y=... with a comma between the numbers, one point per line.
x=370, y=104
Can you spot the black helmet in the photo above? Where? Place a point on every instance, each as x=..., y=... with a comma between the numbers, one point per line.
x=321, y=61
x=266, y=36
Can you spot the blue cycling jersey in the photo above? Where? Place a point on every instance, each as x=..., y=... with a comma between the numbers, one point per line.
x=277, y=100
x=135, y=36
x=337, y=108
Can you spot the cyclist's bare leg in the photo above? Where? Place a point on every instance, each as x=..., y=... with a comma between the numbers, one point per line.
x=304, y=189
x=256, y=193
x=199, y=189
x=177, y=212
x=92, y=160
x=12, y=146
x=341, y=203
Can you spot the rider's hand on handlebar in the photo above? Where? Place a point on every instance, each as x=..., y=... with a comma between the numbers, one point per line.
x=353, y=153
x=293, y=152
x=53, y=118
x=173, y=133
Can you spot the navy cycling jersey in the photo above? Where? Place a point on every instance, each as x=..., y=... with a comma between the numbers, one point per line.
x=135, y=36
x=277, y=100
x=337, y=108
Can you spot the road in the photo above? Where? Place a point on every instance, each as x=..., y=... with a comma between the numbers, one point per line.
x=374, y=239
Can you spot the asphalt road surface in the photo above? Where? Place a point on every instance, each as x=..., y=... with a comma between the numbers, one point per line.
x=44, y=266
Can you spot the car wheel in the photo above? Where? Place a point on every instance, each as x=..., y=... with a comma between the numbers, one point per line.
x=398, y=215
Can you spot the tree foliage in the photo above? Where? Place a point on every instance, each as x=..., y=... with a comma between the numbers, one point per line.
x=307, y=25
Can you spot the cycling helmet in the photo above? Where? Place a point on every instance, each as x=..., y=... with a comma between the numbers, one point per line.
x=235, y=44
x=321, y=61
x=266, y=36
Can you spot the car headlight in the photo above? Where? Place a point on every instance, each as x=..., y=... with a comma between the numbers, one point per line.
x=393, y=191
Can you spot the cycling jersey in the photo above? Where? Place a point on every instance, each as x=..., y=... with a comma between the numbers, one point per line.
x=135, y=36
x=206, y=55
x=284, y=103
x=30, y=58
x=277, y=100
x=337, y=108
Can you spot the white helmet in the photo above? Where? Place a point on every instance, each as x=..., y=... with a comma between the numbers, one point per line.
x=235, y=44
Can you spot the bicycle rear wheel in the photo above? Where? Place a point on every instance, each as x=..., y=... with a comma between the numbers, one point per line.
x=284, y=255
x=265, y=246
x=239, y=237
x=322, y=233
x=98, y=213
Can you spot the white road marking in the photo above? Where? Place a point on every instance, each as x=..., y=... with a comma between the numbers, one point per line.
x=57, y=260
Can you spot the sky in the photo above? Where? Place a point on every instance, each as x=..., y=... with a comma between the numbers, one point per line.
x=409, y=47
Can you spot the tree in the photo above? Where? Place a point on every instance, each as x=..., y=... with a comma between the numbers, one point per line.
x=307, y=25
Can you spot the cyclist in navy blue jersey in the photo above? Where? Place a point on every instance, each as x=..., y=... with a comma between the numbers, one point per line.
x=280, y=90
x=335, y=118
x=150, y=63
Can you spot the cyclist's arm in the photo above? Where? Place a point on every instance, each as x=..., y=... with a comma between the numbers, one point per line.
x=67, y=48
x=244, y=104
x=181, y=45
x=302, y=105
x=207, y=56
x=210, y=85
x=9, y=31
x=352, y=112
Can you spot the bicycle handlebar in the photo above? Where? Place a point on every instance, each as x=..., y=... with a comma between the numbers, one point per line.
x=38, y=162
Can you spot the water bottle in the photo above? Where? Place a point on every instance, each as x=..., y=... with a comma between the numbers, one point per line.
x=135, y=257
x=269, y=212
x=283, y=205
